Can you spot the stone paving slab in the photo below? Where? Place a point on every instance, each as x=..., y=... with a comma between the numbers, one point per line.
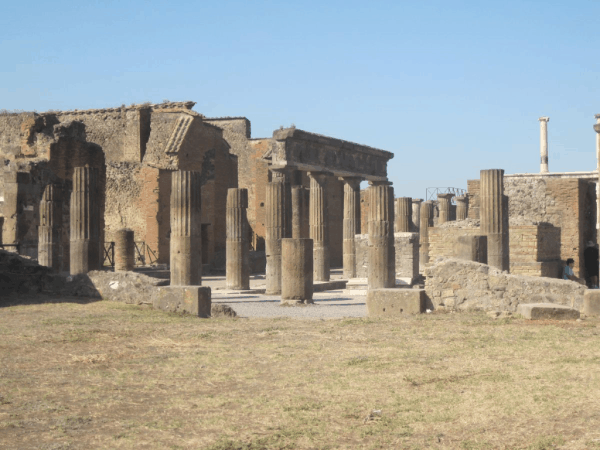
x=540, y=311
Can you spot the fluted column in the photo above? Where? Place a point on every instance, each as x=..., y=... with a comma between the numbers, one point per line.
x=124, y=250
x=298, y=209
x=597, y=129
x=444, y=207
x=186, y=241
x=382, y=257
x=297, y=271
x=319, y=227
x=425, y=223
x=85, y=219
x=462, y=205
x=50, y=226
x=403, y=214
x=237, y=271
x=492, y=213
x=416, y=213
x=275, y=231
x=351, y=224
x=543, y=144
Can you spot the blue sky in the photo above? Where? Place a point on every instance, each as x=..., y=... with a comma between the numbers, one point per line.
x=450, y=87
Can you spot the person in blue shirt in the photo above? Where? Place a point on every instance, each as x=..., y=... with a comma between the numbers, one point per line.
x=568, y=271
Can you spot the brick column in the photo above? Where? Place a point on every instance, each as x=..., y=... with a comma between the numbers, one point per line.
x=124, y=250
x=544, y=144
x=351, y=224
x=462, y=204
x=403, y=214
x=275, y=231
x=49, y=232
x=425, y=222
x=319, y=227
x=237, y=271
x=85, y=221
x=416, y=213
x=186, y=240
x=444, y=207
x=382, y=258
x=493, y=220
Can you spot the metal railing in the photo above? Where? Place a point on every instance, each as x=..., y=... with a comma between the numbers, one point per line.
x=143, y=255
x=432, y=192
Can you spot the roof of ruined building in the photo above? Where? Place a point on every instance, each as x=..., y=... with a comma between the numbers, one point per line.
x=228, y=118
x=185, y=106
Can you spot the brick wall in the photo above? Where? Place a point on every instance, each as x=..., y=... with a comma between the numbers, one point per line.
x=473, y=192
x=535, y=250
x=442, y=240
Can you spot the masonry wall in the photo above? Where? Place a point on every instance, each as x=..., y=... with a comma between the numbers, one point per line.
x=442, y=240
x=407, y=255
x=474, y=201
x=535, y=250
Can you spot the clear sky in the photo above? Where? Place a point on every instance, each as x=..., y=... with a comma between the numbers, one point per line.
x=450, y=87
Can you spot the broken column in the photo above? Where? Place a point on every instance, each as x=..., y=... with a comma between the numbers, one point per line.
x=382, y=259
x=416, y=213
x=351, y=224
x=50, y=227
x=297, y=211
x=403, y=212
x=186, y=241
x=85, y=220
x=492, y=213
x=297, y=271
x=462, y=204
x=237, y=272
x=444, y=207
x=425, y=223
x=275, y=231
x=544, y=144
x=124, y=250
x=319, y=227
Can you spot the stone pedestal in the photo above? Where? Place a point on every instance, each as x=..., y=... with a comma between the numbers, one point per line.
x=382, y=259
x=298, y=209
x=319, y=227
x=403, y=220
x=591, y=302
x=444, y=207
x=194, y=300
x=275, y=231
x=425, y=223
x=395, y=302
x=124, y=250
x=237, y=272
x=186, y=240
x=85, y=221
x=416, y=214
x=351, y=224
x=494, y=217
x=297, y=271
x=462, y=205
x=49, y=247
x=544, y=144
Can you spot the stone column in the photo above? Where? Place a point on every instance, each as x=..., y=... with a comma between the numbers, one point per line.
x=49, y=232
x=597, y=129
x=124, y=250
x=403, y=212
x=85, y=220
x=444, y=207
x=297, y=211
x=351, y=224
x=425, y=223
x=186, y=238
x=416, y=213
x=462, y=204
x=382, y=258
x=237, y=272
x=492, y=213
x=275, y=231
x=297, y=271
x=544, y=144
x=319, y=227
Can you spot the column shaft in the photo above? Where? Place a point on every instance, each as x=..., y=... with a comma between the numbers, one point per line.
x=50, y=227
x=444, y=207
x=124, y=250
x=298, y=209
x=186, y=241
x=237, y=271
x=85, y=251
x=462, y=204
x=416, y=213
x=382, y=258
x=319, y=227
x=425, y=223
x=351, y=224
x=493, y=220
x=275, y=231
x=403, y=215
x=297, y=271
x=544, y=144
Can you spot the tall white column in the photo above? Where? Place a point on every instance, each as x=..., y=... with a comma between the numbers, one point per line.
x=544, y=144
x=597, y=129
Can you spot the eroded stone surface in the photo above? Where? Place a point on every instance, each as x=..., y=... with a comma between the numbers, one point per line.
x=395, y=302
x=541, y=311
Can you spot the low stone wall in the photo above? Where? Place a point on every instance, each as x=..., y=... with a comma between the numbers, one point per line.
x=458, y=284
x=407, y=255
x=443, y=240
x=535, y=250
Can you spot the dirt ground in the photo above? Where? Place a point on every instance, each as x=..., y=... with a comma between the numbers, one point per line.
x=109, y=375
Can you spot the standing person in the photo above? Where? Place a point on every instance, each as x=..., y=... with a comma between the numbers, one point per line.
x=568, y=273
x=590, y=258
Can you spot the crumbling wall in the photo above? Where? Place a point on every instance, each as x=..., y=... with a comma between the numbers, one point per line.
x=535, y=250
x=443, y=239
x=125, y=206
x=458, y=284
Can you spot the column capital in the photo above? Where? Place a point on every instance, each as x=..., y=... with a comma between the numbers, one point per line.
x=597, y=128
x=380, y=183
x=279, y=174
x=417, y=200
x=353, y=182
x=319, y=175
x=597, y=117
x=446, y=196
x=544, y=119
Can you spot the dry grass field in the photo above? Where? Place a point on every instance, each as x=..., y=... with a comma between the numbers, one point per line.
x=110, y=375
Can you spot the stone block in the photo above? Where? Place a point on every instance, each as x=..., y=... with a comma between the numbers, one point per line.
x=195, y=300
x=540, y=311
x=591, y=302
x=395, y=302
